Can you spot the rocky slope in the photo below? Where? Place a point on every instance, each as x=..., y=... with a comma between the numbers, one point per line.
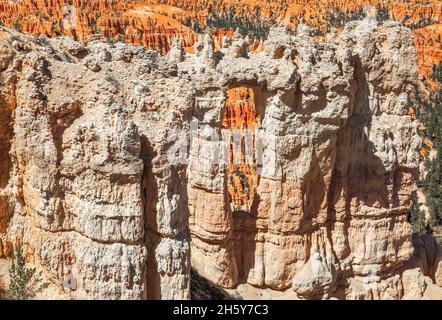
x=116, y=165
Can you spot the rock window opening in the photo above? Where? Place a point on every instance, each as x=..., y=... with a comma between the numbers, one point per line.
x=240, y=123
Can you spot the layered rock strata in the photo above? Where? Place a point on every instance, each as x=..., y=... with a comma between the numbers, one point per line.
x=115, y=167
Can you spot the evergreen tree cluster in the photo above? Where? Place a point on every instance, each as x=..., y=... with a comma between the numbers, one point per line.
x=383, y=14
x=256, y=27
x=430, y=113
x=427, y=21
x=337, y=18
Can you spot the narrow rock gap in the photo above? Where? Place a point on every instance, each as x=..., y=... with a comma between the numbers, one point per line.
x=241, y=120
x=6, y=132
x=150, y=196
x=6, y=166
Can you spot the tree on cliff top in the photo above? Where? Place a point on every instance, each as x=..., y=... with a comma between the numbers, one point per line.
x=26, y=283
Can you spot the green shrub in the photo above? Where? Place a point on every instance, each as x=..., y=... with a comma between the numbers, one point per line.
x=26, y=283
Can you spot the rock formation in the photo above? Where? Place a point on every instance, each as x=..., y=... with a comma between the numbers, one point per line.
x=115, y=165
x=154, y=25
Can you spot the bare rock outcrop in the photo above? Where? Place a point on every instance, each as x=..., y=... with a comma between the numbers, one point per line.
x=115, y=165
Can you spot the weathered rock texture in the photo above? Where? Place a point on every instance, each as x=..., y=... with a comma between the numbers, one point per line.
x=115, y=193
x=153, y=24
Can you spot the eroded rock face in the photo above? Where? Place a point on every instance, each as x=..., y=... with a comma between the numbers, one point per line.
x=115, y=171
x=155, y=25
x=338, y=164
x=90, y=193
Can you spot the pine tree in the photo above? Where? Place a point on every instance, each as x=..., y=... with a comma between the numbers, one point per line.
x=417, y=218
x=17, y=26
x=26, y=283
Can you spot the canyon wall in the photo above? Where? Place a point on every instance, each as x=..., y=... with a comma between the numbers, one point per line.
x=290, y=169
